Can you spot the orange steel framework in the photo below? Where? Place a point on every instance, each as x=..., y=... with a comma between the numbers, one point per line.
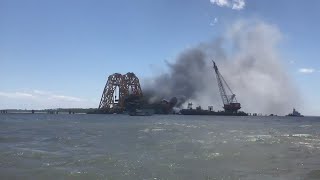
x=126, y=85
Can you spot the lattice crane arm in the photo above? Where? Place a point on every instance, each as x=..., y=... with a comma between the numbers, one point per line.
x=222, y=90
x=227, y=99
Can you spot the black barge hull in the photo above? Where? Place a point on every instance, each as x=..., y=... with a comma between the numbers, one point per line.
x=211, y=113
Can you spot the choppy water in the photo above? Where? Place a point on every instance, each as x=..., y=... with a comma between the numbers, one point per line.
x=158, y=147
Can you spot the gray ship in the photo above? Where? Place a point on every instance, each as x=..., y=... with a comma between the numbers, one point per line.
x=295, y=113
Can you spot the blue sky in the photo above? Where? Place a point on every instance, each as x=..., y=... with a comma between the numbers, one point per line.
x=65, y=49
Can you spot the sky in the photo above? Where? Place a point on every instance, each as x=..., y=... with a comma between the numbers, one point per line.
x=60, y=53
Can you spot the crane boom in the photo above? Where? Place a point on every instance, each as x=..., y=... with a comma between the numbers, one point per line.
x=220, y=84
x=229, y=101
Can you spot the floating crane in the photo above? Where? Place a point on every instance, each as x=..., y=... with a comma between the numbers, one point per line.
x=228, y=97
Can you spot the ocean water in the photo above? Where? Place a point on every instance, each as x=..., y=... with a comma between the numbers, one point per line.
x=43, y=146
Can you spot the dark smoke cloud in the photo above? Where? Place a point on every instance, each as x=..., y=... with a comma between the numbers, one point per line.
x=182, y=77
x=248, y=58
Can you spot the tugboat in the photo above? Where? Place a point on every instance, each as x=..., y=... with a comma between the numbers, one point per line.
x=295, y=113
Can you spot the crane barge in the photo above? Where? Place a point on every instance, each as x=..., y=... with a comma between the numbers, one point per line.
x=230, y=104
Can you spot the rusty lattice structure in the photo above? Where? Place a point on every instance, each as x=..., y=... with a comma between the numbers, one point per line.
x=127, y=84
x=131, y=85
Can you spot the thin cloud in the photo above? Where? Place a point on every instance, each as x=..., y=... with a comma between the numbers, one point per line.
x=51, y=95
x=220, y=3
x=40, y=92
x=65, y=98
x=39, y=95
x=238, y=4
x=307, y=70
x=233, y=4
x=39, y=99
x=16, y=95
x=214, y=22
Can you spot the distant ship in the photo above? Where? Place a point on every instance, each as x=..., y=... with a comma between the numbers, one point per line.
x=295, y=113
x=199, y=111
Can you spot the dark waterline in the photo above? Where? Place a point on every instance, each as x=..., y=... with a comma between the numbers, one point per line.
x=44, y=146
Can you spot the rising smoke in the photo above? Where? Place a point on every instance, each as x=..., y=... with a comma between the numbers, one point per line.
x=248, y=58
